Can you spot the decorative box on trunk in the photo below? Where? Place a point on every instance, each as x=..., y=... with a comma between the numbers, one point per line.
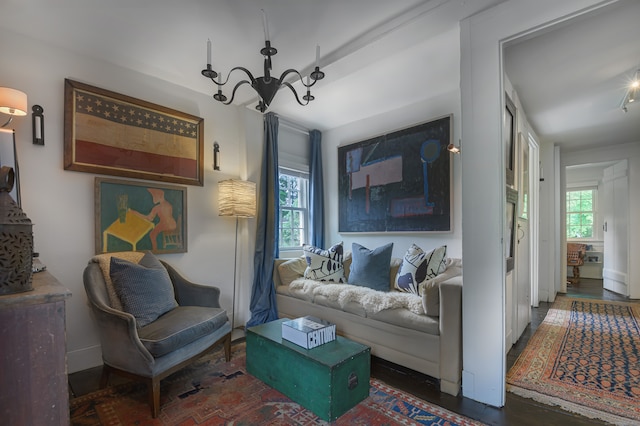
x=327, y=380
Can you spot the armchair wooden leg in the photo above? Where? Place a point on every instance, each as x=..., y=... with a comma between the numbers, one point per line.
x=227, y=347
x=154, y=396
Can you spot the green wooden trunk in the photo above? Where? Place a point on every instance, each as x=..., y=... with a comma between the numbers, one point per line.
x=328, y=380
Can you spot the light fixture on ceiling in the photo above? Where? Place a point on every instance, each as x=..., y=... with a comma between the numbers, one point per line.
x=631, y=96
x=12, y=102
x=266, y=86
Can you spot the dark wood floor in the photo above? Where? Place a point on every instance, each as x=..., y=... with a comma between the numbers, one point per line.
x=517, y=410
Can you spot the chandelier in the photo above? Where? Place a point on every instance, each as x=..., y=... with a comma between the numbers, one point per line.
x=266, y=86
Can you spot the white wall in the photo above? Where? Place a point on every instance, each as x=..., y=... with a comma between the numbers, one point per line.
x=61, y=203
x=448, y=103
x=483, y=377
x=630, y=151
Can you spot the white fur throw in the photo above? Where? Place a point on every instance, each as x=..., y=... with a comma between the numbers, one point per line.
x=372, y=301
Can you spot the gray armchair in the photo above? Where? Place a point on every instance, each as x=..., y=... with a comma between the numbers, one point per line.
x=164, y=346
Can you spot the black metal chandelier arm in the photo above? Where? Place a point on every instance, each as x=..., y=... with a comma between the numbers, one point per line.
x=233, y=93
x=253, y=80
x=295, y=93
x=293, y=71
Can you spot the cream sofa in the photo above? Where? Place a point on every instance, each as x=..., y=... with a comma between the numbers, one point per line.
x=406, y=329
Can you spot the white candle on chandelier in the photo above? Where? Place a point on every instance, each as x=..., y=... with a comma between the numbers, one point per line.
x=265, y=25
x=208, y=51
x=317, y=56
x=308, y=81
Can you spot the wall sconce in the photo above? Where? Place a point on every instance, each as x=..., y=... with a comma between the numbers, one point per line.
x=453, y=149
x=37, y=121
x=216, y=156
x=633, y=91
x=12, y=102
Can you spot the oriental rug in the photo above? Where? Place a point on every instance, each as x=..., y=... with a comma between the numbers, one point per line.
x=585, y=358
x=214, y=392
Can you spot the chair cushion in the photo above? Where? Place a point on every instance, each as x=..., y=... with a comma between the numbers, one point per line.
x=179, y=327
x=145, y=289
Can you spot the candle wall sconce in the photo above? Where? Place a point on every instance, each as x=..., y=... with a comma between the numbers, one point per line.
x=37, y=120
x=216, y=156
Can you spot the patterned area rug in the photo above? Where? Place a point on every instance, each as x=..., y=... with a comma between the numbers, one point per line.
x=585, y=358
x=214, y=392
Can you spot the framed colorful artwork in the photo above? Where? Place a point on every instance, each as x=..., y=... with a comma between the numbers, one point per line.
x=113, y=134
x=140, y=216
x=510, y=125
x=397, y=182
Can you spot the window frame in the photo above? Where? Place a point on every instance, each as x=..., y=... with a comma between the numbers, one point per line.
x=593, y=211
x=304, y=197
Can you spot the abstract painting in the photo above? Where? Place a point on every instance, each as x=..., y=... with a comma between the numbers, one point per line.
x=397, y=182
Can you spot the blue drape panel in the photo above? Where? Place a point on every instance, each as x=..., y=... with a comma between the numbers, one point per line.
x=316, y=198
x=263, y=295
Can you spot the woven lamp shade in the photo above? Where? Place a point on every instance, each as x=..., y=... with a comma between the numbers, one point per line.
x=237, y=198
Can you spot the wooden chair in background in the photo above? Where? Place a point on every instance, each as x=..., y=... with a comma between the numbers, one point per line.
x=575, y=257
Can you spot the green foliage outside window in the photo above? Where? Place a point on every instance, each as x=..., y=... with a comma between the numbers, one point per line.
x=293, y=211
x=580, y=206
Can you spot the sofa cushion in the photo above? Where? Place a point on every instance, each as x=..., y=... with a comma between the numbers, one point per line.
x=324, y=265
x=371, y=268
x=145, y=289
x=419, y=266
x=179, y=327
x=291, y=269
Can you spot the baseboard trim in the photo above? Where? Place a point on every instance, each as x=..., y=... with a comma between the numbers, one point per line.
x=83, y=359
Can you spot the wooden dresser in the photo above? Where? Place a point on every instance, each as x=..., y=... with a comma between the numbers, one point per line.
x=33, y=358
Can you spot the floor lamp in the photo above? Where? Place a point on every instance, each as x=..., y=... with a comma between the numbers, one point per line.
x=236, y=198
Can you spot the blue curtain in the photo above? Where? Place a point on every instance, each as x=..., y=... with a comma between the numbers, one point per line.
x=316, y=202
x=263, y=296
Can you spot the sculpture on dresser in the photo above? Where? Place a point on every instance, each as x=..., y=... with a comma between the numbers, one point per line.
x=16, y=240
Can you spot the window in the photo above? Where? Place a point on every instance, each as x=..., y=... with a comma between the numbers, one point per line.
x=580, y=213
x=294, y=210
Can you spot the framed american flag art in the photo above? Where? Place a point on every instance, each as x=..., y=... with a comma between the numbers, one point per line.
x=113, y=134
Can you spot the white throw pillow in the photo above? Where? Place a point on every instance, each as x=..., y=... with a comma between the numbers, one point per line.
x=324, y=265
x=419, y=266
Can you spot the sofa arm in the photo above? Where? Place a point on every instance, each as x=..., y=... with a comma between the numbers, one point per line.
x=191, y=294
x=451, y=335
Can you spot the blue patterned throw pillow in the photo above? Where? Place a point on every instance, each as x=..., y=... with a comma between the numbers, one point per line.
x=145, y=289
x=324, y=265
x=419, y=266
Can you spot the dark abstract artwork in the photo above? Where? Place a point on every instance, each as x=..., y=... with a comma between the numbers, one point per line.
x=398, y=182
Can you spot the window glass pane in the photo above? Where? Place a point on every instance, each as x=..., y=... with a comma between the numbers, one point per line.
x=580, y=214
x=293, y=209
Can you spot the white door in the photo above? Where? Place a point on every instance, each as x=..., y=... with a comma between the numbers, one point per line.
x=616, y=228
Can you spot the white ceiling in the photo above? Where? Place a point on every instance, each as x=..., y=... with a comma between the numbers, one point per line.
x=571, y=77
x=378, y=55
